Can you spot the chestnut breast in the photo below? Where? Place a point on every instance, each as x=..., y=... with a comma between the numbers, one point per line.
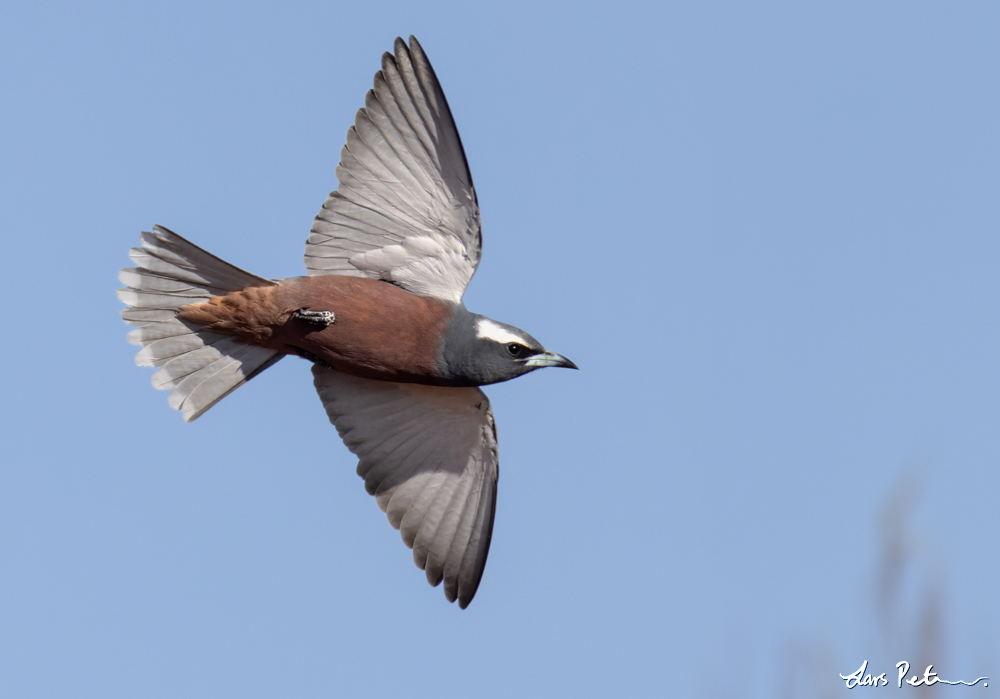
x=380, y=331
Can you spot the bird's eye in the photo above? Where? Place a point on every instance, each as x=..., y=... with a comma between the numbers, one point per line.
x=515, y=349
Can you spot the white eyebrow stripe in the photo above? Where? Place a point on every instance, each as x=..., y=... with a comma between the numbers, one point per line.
x=488, y=329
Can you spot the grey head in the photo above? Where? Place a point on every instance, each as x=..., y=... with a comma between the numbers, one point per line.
x=477, y=350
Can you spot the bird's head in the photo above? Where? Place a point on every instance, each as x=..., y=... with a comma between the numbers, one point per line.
x=476, y=351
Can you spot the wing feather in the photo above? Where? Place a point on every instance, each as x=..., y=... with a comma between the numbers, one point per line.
x=429, y=455
x=438, y=542
x=403, y=177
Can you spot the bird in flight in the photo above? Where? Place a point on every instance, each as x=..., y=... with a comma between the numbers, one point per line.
x=397, y=358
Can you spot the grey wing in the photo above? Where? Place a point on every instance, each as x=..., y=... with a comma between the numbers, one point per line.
x=405, y=210
x=429, y=456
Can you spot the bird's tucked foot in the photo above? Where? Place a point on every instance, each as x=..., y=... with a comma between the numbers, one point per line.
x=322, y=318
x=312, y=358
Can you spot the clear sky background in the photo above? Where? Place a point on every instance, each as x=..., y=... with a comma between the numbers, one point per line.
x=768, y=233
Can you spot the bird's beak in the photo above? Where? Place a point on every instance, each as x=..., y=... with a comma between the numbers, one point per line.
x=547, y=358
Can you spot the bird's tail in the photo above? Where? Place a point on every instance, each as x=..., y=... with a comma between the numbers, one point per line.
x=200, y=367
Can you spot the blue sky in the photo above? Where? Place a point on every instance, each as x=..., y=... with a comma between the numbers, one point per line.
x=767, y=233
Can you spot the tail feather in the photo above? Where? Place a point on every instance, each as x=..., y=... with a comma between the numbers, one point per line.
x=138, y=278
x=179, y=368
x=189, y=373
x=142, y=316
x=166, y=254
x=157, y=330
x=200, y=367
x=202, y=389
x=159, y=352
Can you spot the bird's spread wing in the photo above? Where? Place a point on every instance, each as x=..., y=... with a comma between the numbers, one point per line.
x=405, y=211
x=429, y=456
